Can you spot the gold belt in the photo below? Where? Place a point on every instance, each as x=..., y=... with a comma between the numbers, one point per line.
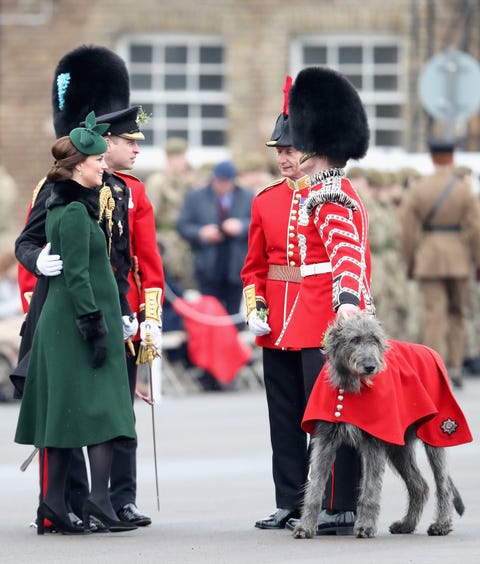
x=285, y=273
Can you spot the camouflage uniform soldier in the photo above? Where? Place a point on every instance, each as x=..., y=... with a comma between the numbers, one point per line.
x=7, y=199
x=441, y=235
x=167, y=190
x=388, y=279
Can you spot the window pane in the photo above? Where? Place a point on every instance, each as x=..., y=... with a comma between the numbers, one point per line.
x=148, y=137
x=356, y=80
x=177, y=110
x=213, y=138
x=175, y=82
x=385, y=54
x=183, y=133
x=140, y=81
x=212, y=111
x=210, y=82
x=388, y=138
x=315, y=55
x=388, y=111
x=349, y=55
x=175, y=54
x=193, y=70
x=385, y=82
x=211, y=55
x=141, y=53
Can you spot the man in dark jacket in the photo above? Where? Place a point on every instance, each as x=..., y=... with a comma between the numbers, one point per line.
x=215, y=221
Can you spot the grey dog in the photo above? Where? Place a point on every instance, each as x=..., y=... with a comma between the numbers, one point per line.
x=355, y=348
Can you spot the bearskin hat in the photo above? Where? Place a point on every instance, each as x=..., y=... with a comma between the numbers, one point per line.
x=326, y=115
x=88, y=78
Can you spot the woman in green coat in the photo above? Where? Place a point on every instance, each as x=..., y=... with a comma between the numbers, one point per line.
x=77, y=391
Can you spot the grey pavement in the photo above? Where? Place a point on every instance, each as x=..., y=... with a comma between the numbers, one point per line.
x=215, y=481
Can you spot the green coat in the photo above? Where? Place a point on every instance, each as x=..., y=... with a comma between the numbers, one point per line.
x=66, y=402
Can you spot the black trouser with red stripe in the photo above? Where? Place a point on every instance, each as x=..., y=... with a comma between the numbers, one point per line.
x=289, y=378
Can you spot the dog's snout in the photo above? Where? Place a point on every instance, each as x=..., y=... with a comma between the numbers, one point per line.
x=369, y=368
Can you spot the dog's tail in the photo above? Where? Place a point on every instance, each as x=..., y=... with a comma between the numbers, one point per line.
x=457, y=499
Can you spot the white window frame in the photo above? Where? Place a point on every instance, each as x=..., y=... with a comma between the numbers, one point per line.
x=367, y=69
x=152, y=157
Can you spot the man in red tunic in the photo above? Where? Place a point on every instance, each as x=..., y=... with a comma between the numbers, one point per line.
x=329, y=126
x=271, y=279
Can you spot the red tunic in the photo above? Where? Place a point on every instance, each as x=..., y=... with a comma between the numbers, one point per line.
x=273, y=240
x=143, y=244
x=27, y=280
x=413, y=389
x=333, y=228
x=26, y=284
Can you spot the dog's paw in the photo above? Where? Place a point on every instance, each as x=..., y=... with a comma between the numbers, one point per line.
x=364, y=532
x=440, y=529
x=300, y=533
x=401, y=528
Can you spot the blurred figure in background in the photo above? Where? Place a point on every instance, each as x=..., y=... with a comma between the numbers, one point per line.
x=167, y=189
x=441, y=238
x=7, y=200
x=253, y=172
x=9, y=299
x=389, y=282
x=214, y=220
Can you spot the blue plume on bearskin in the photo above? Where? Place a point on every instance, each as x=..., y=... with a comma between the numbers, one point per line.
x=90, y=77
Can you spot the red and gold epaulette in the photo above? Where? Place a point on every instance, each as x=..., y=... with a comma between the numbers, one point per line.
x=127, y=175
x=129, y=179
x=271, y=185
x=37, y=189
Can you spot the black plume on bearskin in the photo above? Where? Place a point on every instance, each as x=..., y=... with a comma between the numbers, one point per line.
x=88, y=78
x=327, y=116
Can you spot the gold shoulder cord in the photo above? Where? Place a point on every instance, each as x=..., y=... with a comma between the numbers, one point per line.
x=107, y=205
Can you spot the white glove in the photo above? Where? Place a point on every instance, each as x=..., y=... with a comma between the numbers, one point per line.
x=47, y=264
x=152, y=327
x=257, y=326
x=130, y=326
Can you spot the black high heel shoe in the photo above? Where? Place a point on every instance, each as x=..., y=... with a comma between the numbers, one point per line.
x=113, y=525
x=66, y=527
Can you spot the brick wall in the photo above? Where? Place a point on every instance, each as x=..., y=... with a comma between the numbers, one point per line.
x=258, y=34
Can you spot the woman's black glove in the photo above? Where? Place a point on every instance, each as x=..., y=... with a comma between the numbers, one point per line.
x=92, y=327
x=99, y=352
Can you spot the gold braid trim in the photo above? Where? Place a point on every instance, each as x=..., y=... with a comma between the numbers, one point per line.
x=153, y=308
x=250, y=299
x=107, y=205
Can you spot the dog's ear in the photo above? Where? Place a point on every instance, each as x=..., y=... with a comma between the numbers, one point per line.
x=331, y=337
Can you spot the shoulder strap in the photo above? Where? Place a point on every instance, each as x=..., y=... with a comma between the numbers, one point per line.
x=37, y=189
x=439, y=201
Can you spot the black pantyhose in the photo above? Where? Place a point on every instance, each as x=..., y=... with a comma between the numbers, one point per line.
x=100, y=458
